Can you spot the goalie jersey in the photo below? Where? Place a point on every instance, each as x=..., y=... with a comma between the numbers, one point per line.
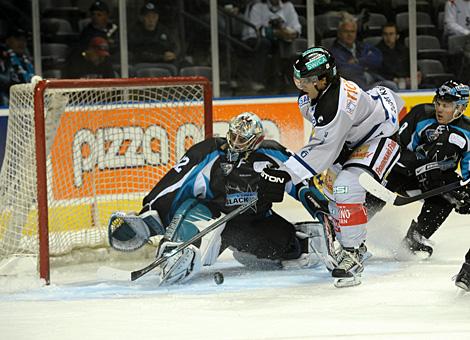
x=205, y=173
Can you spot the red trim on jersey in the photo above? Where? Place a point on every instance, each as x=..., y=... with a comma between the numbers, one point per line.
x=351, y=214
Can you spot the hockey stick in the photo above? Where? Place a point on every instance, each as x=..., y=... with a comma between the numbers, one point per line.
x=375, y=188
x=138, y=273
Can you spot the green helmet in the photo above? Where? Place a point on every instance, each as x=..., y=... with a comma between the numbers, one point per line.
x=316, y=63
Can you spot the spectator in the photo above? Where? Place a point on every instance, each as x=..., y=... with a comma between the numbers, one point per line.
x=93, y=62
x=356, y=61
x=396, y=57
x=101, y=26
x=278, y=23
x=152, y=42
x=457, y=22
x=457, y=18
x=15, y=63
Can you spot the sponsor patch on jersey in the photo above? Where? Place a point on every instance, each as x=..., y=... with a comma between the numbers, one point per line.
x=239, y=198
x=340, y=190
x=259, y=166
x=303, y=100
x=361, y=152
x=457, y=140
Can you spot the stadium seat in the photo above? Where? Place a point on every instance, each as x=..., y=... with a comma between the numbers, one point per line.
x=294, y=49
x=54, y=55
x=153, y=72
x=455, y=44
x=326, y=25
x=70, y=13
x=204, y=71
x=327, y=42
x=57, y=30
x=372, y=40
x=374, y=23
x=424, y=23
x=428, y=47
x=170, y=67
x=433, y=73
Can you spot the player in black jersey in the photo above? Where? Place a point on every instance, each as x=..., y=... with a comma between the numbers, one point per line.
x=216, y=176
x=434, y=140
x=462, y=279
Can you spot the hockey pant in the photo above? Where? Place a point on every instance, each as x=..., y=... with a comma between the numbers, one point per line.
x=347, y=196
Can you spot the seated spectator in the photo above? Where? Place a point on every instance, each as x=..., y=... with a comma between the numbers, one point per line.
x=457, y=18
x=16, y=65
x=457, y=22
x=395, y=57
x=151, y=41
x=93, y=62
x=101, y=26
x=278, y=23
x=355, y=60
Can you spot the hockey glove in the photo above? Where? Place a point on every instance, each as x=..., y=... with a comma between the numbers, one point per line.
x=461, y=199
x=272, y=184
x=430, y=176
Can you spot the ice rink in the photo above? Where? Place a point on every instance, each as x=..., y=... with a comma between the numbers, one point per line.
x=407, y=299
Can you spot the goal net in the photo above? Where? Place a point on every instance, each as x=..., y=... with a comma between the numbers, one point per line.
x=78, y=150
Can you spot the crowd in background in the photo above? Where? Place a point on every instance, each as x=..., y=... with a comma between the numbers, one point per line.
x=258, y=41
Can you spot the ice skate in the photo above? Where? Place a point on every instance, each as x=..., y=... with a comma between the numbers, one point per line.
x=350, y=266
x=462, y=280
x=416, y=243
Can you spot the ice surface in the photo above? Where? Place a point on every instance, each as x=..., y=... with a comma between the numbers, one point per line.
x=412, y=299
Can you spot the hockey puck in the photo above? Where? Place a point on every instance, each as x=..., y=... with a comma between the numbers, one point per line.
x=219, y=278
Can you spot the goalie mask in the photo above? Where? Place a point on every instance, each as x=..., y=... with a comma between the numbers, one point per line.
x=314, y=64
x=245, y=132
x=453, y=92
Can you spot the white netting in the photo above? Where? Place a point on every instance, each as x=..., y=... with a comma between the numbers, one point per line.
x=106, y=148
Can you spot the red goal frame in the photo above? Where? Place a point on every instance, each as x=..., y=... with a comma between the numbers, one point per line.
x=39, y=119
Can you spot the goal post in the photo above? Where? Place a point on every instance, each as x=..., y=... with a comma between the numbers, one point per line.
x=77, y=150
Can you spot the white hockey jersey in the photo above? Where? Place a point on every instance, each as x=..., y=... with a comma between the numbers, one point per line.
x=457, y=18
x=343, y=114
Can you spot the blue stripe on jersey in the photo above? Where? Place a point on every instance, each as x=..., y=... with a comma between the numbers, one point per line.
x=420, y=127
x=187, y=188
x=273, y=153
x=387, y=115
x=305, y=165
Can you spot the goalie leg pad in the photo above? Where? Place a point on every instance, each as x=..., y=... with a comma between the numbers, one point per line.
x=179, y=267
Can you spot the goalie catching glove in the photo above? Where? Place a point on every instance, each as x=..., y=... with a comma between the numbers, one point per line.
x=272, y=184
x=128, y=232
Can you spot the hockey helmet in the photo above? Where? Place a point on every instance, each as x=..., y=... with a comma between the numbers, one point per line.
x=314, y=64
x=457, y=93
x=245, y=132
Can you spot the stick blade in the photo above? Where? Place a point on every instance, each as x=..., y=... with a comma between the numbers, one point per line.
x=368, y=182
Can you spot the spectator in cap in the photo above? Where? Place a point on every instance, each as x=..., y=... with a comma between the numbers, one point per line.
x=101, y=26
x=93, y=62
x=16, y=65
x=152, y=42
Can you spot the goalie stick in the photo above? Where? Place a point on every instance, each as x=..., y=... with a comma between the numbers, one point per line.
x=375, y=188
x=138, y=273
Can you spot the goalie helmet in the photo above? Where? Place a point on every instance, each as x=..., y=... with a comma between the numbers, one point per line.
x=245, y=132
x=457, y=93
x=315, y=64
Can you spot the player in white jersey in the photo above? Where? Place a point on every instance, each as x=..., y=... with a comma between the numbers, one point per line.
x=352, y=132
x=457, y=17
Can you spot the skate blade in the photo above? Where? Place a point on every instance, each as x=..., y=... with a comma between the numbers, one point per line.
x=463, y=286
x=345, y=282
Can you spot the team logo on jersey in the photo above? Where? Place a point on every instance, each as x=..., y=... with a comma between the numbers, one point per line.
x=239, y=198
x=226, y=168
